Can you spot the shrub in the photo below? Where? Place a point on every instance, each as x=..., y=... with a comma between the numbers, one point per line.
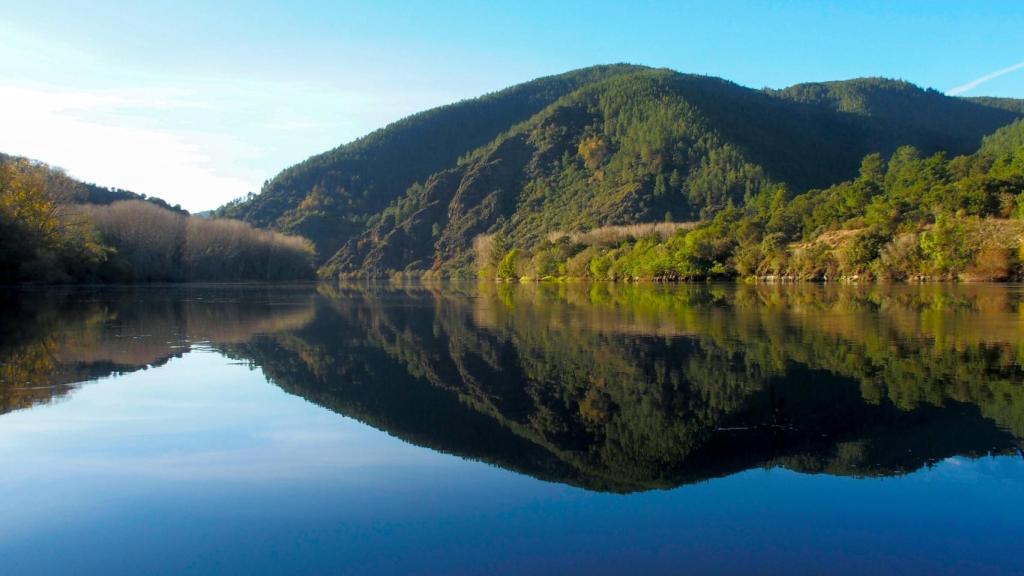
x=747, y=260
x=488, y=250
x=991, y=263
x=856, y=256
x=900, y=258
x=578, y=266
x=814, y=262
x=148, y=242
x=945, y=246
x=507, y=267
x=601, y=266
x=41, y=237
x=154, y=244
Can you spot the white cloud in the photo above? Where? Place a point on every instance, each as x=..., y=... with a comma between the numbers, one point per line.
x=194, y=137
x=82, y=132
x=291, y=125
x=981, y=80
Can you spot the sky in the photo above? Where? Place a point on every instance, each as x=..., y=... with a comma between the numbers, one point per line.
x=201, y=102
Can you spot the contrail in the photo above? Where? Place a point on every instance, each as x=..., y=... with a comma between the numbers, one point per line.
x=979, y=81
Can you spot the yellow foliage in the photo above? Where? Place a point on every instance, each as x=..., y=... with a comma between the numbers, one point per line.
x=42, y=238
x=593, y=150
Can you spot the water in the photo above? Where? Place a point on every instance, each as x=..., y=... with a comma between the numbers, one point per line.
x=512, y=429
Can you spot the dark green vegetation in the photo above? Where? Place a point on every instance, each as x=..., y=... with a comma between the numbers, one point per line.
x=55, y=229
x=597, y=147
x=610, y=387
x=330, y=197
x=903, y=217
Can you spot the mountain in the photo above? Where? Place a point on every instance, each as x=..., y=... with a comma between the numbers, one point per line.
x=599, y=146
x=1011, y=104
x=329, y=197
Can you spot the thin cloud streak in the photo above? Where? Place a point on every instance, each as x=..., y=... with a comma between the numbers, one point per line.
x=979, y=81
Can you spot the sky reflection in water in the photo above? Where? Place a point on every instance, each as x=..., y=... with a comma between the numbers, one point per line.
x=226, y=459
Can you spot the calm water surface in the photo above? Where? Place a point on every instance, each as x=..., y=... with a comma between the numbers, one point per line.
x=512, y=429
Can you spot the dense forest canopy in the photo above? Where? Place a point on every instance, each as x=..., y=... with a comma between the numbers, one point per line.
x=610, y=145
x=904, y=216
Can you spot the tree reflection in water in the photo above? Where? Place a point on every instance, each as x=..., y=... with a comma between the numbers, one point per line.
x=608, y=387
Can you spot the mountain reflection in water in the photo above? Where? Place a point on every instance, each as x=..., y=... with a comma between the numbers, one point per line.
x=608, y=387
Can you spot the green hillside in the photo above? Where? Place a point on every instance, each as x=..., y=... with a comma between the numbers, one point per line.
x=329, y=197
x=594, y=147
x=904, y=217
x=1011, y=104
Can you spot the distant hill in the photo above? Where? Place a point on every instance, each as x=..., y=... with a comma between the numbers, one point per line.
x=599, y=146
x=93, y=194
x=1011, y=104
x=88, y=193
x=55, y=229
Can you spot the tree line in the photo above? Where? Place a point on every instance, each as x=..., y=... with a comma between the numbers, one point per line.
x=48, y=235
x=908, y=216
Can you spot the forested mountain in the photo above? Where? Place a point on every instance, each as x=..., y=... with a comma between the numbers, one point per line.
x=329, y=197
x=1011, y=104
x=595, y=147
x=904, y=217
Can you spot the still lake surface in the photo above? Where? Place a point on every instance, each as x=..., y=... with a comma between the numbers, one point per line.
x=512, y=429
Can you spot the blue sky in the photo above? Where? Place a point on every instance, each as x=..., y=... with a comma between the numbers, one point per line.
x=199, y=103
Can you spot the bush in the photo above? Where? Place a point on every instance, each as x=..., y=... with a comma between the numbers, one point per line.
x=814, y=262
x=900, y=258
x=747, y=260
x=578, y=266
x=945, y=247
x=991, y=263
x=857, y=255
x=153, y=244
x=148, y=241
x=507, y=267
x=488, y=250
x=41, y=238
x=601, y=266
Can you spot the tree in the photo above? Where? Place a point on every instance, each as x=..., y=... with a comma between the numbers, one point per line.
x=41, y=237
x=945, y=246
x=507, y=266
